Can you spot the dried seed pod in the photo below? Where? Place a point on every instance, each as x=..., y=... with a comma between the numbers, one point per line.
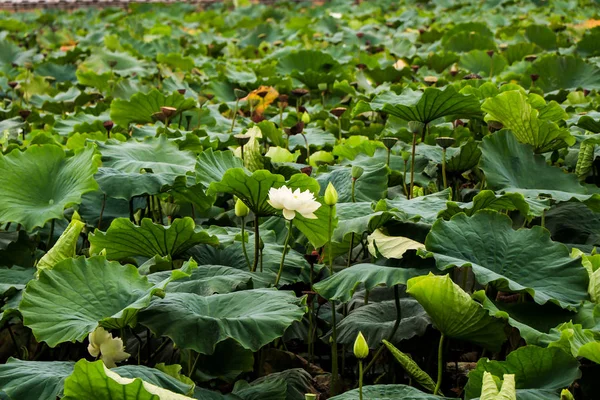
x=338, y=111
x=445, y=141
x=168, y=112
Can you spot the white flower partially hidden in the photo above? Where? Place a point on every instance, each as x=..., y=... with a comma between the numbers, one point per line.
x=291, y=202
x=110, y=350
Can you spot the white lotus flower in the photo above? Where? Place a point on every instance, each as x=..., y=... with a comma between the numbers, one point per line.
x=110, y=350
x=291, y=202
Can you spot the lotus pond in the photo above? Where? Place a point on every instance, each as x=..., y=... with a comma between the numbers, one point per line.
x=385, y=200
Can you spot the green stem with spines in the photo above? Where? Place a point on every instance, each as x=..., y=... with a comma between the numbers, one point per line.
x=440, y=365
x=244, y=244
x=287, y=240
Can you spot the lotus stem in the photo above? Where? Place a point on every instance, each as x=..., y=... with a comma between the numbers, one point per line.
x=444, y=168
x=412, y=166
x=360, y=379
x=440, y=365
x=235, y=111
x=543, y=222
x=334, y=352
x=394, y=329
x=102, y=210
x=285, y=245
x=51, y=234
x=339, y=129
x=244, y=244
x=256, y=244
x=389, y=153
x=307, y=148
x=404, y=179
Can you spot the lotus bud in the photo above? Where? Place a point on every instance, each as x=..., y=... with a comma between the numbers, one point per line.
x=357, y=172
x=389, y=142
x=445, y=141
x=405, y=156
x=322, y=87
x=241, y=209
x=566, y=395
x=331, y=195
x=361, y=348
x=305, y=117
x=416, y=127
x=312, y=258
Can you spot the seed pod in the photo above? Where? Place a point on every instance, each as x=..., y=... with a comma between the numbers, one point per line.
x=338, y=111
x=108, y=125
x=445, y=141
x=357, y=172
x=168, y=112
x=389, y=142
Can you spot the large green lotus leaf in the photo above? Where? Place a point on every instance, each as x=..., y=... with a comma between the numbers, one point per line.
x=342, y=285
x=454, y=313
x=577, y=341
x=573, y=223
x=310, y=67
x=537, y=323
x=479, y=62
x=423, y=209
x=427, y=106
x=488, y=200
x=376, y=321
x=125, y=185
x=153, y=155
x=295, y=267
x=316, y=230
x=564, y=72
x=589, y=45
x=252, y=318
x=124, y=64
x=207, y=280
x=466, y=158
x=541, y=35
x=92, y=380
x=252, y=189
x=124, y=239
x=510, y=166
x=14, y=278
x=34, y=380
x=65, y=247
x=228, y=361
x=183, y=191
x=54, y=181
x=525, y=260
x=70, y=300
x=358, y=218
x=291, y=384
x=81, y=123
x=371, y=186
x=388, y=392
x=514, y=110
x=544, y=369
x=212, y=165
x=157, y=377
x=140, y=108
